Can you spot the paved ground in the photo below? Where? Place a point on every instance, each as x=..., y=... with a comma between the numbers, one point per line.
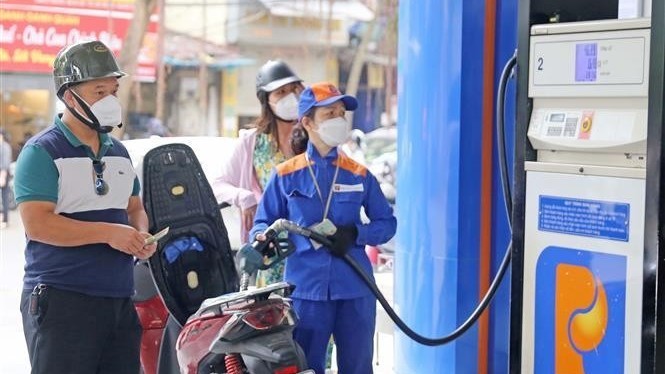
x=13, y=353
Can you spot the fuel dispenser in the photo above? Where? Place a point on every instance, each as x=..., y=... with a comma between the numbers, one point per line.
x=581, y=268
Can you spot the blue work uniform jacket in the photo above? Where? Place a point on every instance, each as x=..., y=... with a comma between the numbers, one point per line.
x=291, y=194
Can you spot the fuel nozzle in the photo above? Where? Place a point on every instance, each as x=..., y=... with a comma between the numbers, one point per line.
x=263, y=246
x=249, y=260
x=262, y=254
x=250, y=257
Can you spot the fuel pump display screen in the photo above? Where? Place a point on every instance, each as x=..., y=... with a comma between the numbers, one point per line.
x=586, y=62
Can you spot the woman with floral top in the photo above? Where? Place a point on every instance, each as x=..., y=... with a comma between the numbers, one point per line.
x=262, y=148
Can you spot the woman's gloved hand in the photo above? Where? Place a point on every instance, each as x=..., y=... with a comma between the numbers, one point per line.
x=343, y=239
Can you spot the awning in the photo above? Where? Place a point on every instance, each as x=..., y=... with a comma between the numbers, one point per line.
x=212, y=63
x=185, y=51
x=341, y=9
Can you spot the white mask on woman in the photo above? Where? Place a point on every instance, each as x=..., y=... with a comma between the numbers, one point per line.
x=287, y=107
x=333, y=131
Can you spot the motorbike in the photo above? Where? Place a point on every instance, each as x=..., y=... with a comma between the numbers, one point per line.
x=197, y=316
x=250, y=331
x=243, y=332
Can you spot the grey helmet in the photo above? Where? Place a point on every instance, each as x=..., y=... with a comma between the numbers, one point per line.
x=273, y=75
x=81, y=62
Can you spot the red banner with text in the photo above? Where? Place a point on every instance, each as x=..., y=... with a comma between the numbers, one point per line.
x=33, y=31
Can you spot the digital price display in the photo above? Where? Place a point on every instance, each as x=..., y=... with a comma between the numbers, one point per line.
x=586, y=62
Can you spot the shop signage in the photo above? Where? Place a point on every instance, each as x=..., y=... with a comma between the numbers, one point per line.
x=33, y=31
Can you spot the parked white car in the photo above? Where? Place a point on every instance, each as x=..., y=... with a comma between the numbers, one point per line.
x=211, y=151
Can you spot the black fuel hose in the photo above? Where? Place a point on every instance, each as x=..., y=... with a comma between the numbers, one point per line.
x=399, y=322
x=287, y=225
x=496, y=282
x=500, y=134
x=453, y=335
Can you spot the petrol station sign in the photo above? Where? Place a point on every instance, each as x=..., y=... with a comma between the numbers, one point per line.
x=33, y=31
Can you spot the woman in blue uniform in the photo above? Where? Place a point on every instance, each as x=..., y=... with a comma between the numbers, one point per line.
x=326, y=190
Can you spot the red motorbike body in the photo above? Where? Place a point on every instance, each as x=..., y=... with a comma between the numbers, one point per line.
x=152, y=315
x=247, y=331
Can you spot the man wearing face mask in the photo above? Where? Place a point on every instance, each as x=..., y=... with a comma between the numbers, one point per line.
x=324, y=189
x=245, y=175
x=84, y=221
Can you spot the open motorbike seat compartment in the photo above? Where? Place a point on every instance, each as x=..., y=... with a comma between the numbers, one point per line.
x=194, y=261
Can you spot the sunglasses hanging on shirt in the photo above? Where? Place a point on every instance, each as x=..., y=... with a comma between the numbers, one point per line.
x=101, y=187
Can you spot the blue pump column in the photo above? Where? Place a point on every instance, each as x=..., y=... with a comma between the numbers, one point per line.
x=440, y=64
x=506, y=43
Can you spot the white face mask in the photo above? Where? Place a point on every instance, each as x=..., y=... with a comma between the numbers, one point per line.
x=287, y=107
x=107, y=111
x=333, y=131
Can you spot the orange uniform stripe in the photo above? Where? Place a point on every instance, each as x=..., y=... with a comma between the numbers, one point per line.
x=348, y=164
x=291, y=165
x=299, y=162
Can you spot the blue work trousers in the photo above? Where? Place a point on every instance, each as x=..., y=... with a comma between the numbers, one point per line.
x=351, y=322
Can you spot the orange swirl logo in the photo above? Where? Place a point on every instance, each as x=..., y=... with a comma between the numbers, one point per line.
x=581, y=316
x=580, y=312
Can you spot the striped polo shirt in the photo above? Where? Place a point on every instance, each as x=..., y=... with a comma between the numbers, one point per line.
x=55, y=166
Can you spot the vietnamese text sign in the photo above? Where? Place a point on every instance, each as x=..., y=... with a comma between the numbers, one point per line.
x=599, y=219
x=32, y=33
